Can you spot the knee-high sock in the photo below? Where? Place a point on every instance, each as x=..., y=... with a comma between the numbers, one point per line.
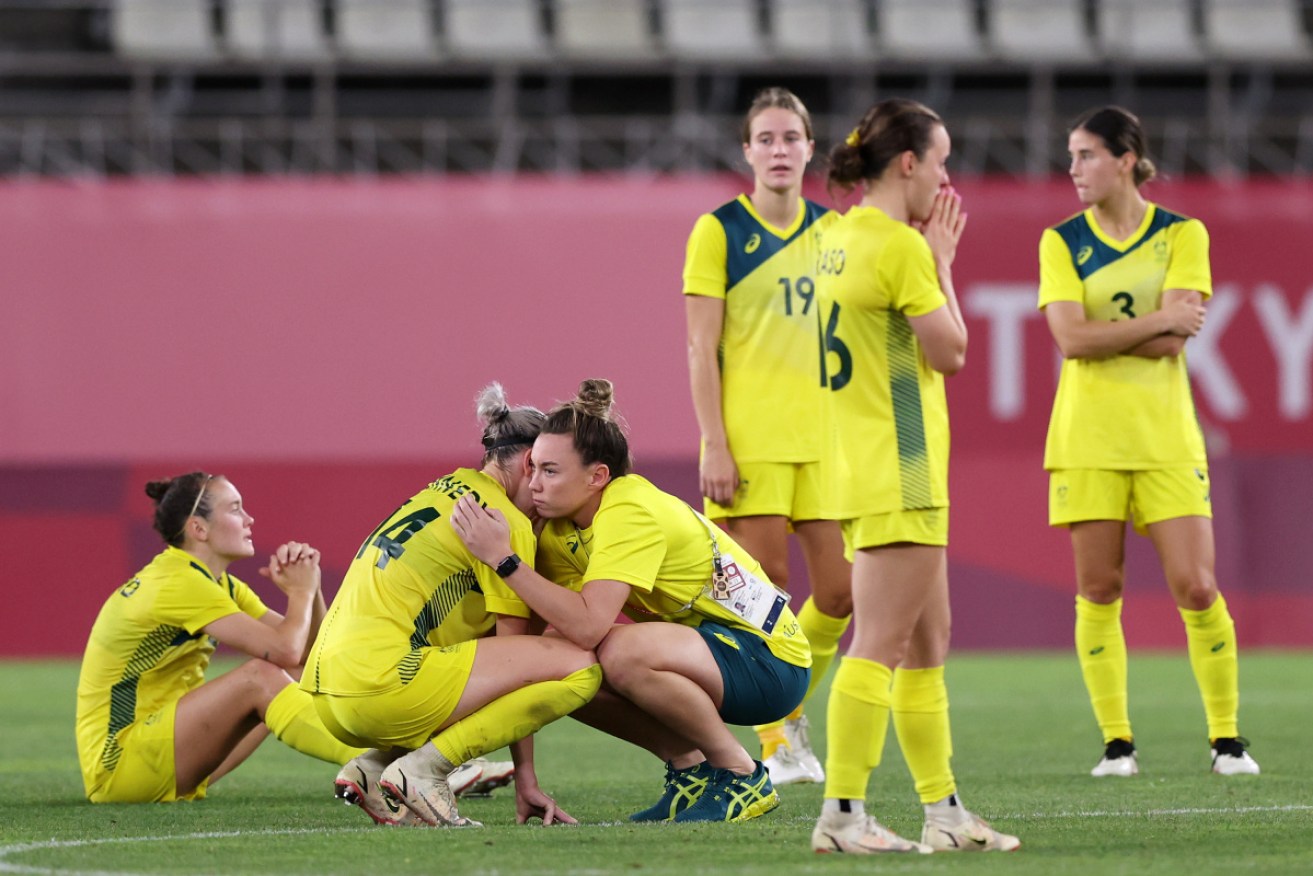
x=516, y=715
x=920, y=707
x=824, y=633
x=858, y=719
x=1212, y=642
x=292, y=718
x=1101, y=647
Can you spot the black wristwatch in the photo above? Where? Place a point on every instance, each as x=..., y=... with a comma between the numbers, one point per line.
x=508, y=566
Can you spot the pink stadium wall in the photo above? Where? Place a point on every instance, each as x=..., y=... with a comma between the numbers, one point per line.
x=321, y=342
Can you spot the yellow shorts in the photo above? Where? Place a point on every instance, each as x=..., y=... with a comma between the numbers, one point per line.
x=919, y=526
x=775, y=489
x=145, y=772
x=1143, y=497
x=405, y=716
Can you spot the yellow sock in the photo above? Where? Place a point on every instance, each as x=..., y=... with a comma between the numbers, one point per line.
x=858, y=719
x=920, y=707
x=824, y=633
x=1101, y=647
x=772, y=737
x=1212, y=643
x=294, y=721
x=516, y=715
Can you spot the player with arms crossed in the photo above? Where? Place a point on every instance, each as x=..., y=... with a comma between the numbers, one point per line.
x=1122, y=286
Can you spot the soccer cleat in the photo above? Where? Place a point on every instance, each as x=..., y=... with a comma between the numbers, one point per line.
x=854, y=834
x=683, y=788
x=965, y=832
x=1118, y=760
x=357, y=784
x=1231, y=759
x=420, y=783
x=489, y=775
x=795, y=762
x=731, y=797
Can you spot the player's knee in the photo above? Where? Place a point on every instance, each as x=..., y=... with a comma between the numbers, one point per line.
x=1102, y=589
x=1195, y=590
x=837, y=604
x=264, y=679
x=623, y=659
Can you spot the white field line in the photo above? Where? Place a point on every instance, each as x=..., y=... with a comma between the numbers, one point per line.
x=11, y=849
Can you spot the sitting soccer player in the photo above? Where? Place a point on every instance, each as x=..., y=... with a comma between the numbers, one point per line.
x=150, y=728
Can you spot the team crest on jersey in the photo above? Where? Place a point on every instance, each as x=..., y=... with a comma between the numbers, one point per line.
x=753, y=242
x=130, y=588
x=1160, y=250
x=1084, y=255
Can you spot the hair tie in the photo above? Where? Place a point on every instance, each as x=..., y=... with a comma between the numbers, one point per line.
x=855, y=138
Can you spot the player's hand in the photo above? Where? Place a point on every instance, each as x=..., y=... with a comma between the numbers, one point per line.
x=1184, y=316
x=718, y=476
x=533, y=802
x=483, y=530
x=944, y=228
x=294, y=567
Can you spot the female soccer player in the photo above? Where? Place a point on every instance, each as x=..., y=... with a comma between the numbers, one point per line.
x=753, y=361
x=406, y=663
x=150, y=728
x=715, y=641
x=893, y=330
x=1122, y=286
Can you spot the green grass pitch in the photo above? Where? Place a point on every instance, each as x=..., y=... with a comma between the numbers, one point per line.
x=1024, y=740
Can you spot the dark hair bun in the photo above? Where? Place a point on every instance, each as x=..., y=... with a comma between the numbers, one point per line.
x=157, y=489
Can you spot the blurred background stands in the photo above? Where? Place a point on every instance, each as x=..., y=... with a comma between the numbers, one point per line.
x=104, y=87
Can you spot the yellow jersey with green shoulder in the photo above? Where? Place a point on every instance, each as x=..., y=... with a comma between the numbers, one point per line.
x=1123, y=412
x=658, y=545
x=147, y=649
x=412, y=585
x=769, y=353
x=887, y=412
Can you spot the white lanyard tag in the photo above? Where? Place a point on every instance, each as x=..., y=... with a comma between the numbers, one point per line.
x=734, y=588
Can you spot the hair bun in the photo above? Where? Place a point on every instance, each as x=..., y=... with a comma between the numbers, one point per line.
x=156, y=489
x=491, y=403
x=596, y=397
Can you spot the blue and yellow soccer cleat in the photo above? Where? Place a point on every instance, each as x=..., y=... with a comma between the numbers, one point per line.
x=683, y=788
x=732, y=797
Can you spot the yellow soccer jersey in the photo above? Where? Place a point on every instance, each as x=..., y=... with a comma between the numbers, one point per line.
x=769, y=355
x=888, y=415
x=146, y=650
x=414, y=584
x=1123, y=412
x=660, y=547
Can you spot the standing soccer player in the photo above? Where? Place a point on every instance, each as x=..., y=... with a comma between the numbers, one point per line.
x=754, y=369
x=1122, y=286
x=893, y=331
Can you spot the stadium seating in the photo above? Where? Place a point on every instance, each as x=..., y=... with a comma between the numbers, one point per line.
x=392, y=31
x=1041, y=32
x=726, y=30
x=935, y=31
x=810, y=29
x=1157, y=33
x=604, y=30
x=291, y=30
x=494, y=30
x=163, y=30
x=1239, y=30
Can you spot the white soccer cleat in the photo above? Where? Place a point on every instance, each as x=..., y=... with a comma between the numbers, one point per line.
x=805, y=764
x=492, y=774
x=465, y=777
x=1231, y=759
x=966, y=832
x=419, y=781
x=1118, y=760
x=357, y=784
x=786, y=768
x=853, y=834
